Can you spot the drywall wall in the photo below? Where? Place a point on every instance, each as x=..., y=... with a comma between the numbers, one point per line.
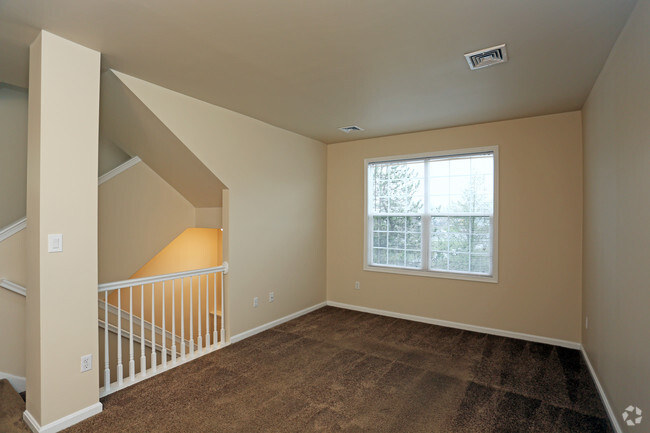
x=110, y=156
x=540, y=223
x=139, y=214
x=208, y=217
x=274, y=215
x=12, y=305
x=13, y=153
x=616, y=297
x=61, y=300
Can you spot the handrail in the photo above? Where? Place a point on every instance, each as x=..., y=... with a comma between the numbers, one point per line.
x=12, y=229
x=16, y=288
x=158, y=278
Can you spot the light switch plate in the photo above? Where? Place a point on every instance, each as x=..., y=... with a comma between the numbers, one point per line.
x=55, y=243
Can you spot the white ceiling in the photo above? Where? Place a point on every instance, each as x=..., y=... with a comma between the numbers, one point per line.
x=312, y=66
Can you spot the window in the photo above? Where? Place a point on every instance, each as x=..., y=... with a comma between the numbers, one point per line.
x=433, y=214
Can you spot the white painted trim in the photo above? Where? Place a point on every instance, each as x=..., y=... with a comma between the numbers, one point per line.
x=119, y=169
x=16, y=288
x=136, y=338
x=19, y=383
x=610, y=412
x=62, y=423
x=463, y=326
x=112, y=309
x=274, y=323
x=12, y=229
x=150, y=372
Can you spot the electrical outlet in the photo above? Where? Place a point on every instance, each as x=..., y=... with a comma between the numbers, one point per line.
x=357, y=285
x=256, y=302
x=271, y=296
x=86, y=363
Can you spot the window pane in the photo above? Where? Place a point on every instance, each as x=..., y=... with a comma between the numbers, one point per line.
x=480, y=243
x=397, y=187
x=397, y=224
x=481, y=225
x=462, y=185
x=439, y=261
x=379, y=256
x=380, y=239
x=380, y=223
x=458, y=242
x=413, y=259
x=396, y=240
x=481, y=264
x=413, y=241
x=396, y=257
x=414, y=224
x=459, y=262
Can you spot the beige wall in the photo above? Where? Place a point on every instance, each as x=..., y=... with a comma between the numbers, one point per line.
x=110, y=156
x=61, y=300
x=12, y=306
x=616, y=297
x=139, y=214
x=274, y=221
x=13, y=153
x=540, y=223
x=208, y=217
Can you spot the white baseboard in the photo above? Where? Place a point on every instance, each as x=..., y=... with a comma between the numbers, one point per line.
x=17, y=382
x=463, y=326
x=62, y=423
x=274, y=323
x=610, y=412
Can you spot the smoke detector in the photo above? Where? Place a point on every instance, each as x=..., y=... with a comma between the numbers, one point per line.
x=351, y=128
x=487, y=57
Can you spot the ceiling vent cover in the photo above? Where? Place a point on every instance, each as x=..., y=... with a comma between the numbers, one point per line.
x=487, y=57
x=351, y=128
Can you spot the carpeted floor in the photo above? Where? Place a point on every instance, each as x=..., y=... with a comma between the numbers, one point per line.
x=12, y=407
x=337, y=370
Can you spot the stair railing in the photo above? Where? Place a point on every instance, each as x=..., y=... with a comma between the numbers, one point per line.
x=204, y=291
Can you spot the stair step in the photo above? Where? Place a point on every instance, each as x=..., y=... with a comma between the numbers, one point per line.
x=12, y=407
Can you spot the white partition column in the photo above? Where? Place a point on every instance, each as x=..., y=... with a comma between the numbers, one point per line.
x=61, y=308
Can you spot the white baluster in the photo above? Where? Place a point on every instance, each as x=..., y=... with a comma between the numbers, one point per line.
x=143, y=353
x=107, y=365
x=154, y=360
x=207, y=313
x=199, y=339
x=191, y=317
x=131, y=360
x=173, y=322
x=120, y=371
x=183, y=319
x=215, y=339
x=164, y=330
x=223, y=313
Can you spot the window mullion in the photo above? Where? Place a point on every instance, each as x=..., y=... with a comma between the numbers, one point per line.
x=426, y=220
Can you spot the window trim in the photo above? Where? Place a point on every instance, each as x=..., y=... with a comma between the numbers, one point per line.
x=426, y=273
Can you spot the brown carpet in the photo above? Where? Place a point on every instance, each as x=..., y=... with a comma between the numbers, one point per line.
x=337, y=370
x=12, y=407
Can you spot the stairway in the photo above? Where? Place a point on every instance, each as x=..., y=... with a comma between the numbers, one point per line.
x=12, y=407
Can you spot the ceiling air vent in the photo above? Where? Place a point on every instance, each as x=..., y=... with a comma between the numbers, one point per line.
x=487, y=57
x=352, y=128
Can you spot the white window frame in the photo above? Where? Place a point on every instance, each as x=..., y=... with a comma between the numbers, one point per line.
x=367, y=266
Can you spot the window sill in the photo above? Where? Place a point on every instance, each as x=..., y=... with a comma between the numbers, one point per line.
x=447, y=275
